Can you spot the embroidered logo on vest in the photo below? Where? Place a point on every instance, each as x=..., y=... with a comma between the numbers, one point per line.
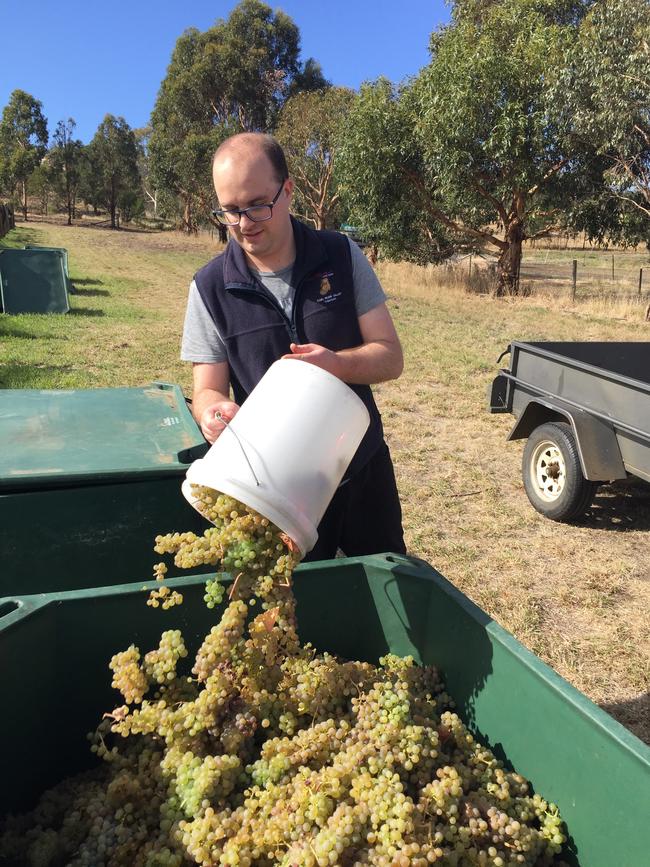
x=325, y=285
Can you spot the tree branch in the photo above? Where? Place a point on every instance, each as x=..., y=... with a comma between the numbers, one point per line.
x=644, y=210
x=493, y=201
x=543, y=233
x=447, y=221
x=553, y=169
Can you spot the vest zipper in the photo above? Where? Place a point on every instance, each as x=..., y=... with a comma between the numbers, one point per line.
x=290, y=323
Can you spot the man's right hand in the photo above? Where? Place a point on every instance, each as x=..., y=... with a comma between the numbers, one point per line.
x=211, y=424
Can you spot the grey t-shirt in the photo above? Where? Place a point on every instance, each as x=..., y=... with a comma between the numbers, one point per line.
x=202, y=342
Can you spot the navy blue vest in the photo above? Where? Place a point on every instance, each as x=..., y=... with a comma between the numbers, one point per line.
x=256, y=331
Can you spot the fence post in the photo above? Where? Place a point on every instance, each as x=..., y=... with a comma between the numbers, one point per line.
x=612, y=267
x=640, y=279
x=575, y=279
x=470, y=266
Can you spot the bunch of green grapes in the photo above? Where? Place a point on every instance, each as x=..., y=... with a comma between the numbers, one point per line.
x=264, y=752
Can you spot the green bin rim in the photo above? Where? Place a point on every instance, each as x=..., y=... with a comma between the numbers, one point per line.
x=188, y=445
x=14, y=608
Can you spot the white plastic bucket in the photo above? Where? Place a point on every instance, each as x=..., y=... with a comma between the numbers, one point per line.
x=285, y=452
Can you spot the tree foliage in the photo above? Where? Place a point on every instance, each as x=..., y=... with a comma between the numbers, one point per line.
x=604, y=93
x=378, y=162
x=42, y=186
x=23, y=142
x=471, y=144
x=64, y=160
x=309, y=132
x=113, y=176
x=233, y=77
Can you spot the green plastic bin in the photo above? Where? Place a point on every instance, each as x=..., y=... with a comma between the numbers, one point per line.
x=88, y=478
x=62, y=250
x=64, y=253
x=55, y=651
x=33, y=281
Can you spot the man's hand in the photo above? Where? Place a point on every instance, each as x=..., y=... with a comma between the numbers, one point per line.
x=317, y=355
x=378, y=357
x=210, y=422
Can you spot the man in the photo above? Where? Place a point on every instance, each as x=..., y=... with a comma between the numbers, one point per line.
x=283, y=290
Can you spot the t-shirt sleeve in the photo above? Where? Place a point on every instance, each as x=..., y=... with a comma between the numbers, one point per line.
x=201, y=342
x=368, y=291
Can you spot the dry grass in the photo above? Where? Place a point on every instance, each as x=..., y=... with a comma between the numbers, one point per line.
x=577, y=595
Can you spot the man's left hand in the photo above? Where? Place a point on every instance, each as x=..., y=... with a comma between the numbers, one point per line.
x=317, y=355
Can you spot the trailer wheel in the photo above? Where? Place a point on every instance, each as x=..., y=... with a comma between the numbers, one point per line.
x=552, y=473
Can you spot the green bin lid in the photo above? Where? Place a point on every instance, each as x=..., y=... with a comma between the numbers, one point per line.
x=65, y=438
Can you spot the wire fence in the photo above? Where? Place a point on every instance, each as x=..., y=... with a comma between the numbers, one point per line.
x=577, y=274
x=589, y=273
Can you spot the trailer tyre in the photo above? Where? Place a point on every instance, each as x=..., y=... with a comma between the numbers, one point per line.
x=552, y=473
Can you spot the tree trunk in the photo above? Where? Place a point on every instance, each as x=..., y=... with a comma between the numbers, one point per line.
x=25, y=200
x=113, y=203
x=188, y=223
x=509, y=261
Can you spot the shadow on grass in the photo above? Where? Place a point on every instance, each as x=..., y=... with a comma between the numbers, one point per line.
x=86, y=311
x=28, y=376
x=8, y=329
x=633, y=713
x=17, y=238
x=621, y=506
x=90, y=293
x=87, y=281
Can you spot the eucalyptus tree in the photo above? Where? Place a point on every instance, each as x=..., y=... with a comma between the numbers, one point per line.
x=233, y=77
x=64, y=160
x=309, y=131
x=114, y=179
x=23, y=142
x=470, y=150
x=378, y=168
x=603, y=91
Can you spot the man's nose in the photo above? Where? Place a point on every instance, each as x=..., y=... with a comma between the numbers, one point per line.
x=244, y=219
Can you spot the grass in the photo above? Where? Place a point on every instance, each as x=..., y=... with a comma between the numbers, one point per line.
x=577, y=595
x=608, y=280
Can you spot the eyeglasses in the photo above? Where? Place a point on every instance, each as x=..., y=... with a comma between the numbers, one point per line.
x=256, y=213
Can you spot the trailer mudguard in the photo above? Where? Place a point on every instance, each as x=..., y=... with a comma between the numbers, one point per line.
x=600, y=455
x=500, y=394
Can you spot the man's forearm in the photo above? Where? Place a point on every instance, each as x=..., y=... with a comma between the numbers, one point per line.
x=370, y=363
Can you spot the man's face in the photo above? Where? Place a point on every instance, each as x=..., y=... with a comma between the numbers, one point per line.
x=247, y=178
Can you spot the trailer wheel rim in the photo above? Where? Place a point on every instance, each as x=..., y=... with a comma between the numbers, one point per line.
x=548, y=471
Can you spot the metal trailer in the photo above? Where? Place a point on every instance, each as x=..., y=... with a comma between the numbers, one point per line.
x=585, y=411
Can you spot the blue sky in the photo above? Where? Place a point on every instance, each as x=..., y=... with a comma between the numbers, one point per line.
x=87, y=59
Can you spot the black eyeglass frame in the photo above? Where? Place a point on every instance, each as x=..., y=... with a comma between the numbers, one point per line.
x=220, y=213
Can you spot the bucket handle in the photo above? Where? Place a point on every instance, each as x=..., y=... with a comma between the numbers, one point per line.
x=226, y=424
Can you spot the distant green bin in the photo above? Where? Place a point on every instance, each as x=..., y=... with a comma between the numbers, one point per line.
x=55, y=651
x=88, y=478
x=64, y=253
x=33, y=281
x=62, y=250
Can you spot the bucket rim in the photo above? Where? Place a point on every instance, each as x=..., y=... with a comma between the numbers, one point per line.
x=278, y=510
